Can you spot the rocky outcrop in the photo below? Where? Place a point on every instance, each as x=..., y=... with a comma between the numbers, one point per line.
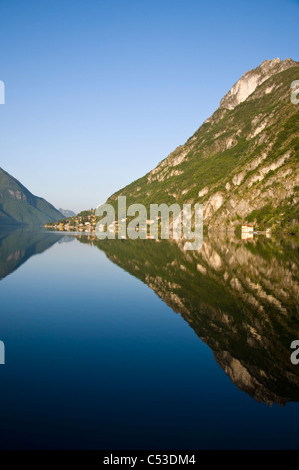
x=252, y=79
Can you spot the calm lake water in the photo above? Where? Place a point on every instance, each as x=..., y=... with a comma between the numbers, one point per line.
x=138, y=344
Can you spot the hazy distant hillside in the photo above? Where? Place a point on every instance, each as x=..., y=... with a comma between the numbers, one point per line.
x=20, y=206
x=67, y=213
x=242, y=163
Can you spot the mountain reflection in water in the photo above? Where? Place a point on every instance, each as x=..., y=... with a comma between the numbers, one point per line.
x=18, y=245
x=241, y=298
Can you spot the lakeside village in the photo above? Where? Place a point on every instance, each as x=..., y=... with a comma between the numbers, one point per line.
x=86, y=221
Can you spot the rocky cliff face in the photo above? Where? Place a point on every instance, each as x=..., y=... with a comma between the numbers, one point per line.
x=252, y=79
x=242, y=163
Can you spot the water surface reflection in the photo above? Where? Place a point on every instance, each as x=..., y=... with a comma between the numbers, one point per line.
x=241, y=298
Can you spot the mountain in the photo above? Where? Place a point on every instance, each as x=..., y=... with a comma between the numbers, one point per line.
x=67, y=213
x=18, y=206
x=242, y=163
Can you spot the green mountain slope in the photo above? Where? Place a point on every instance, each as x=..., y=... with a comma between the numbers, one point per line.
x=242, y=163
x=20, y=206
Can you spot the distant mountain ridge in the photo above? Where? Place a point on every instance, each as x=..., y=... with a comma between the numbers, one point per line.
x=67, y=213
x=18, y=206
x=242, y=163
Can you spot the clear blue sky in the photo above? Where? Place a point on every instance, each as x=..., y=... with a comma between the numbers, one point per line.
x=99, y=91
